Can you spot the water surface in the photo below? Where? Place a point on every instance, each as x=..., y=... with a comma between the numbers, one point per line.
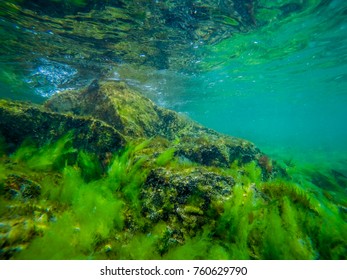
x=273, y=72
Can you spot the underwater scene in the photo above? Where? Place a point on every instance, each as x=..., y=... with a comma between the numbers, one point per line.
x=173, y=129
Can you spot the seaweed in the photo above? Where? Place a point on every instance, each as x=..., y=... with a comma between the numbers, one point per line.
x=236, y=222
x=140, y=247
x=193, y=249
x=127, y=173
x=86, y=211
x=90, y=166
x=92, y=213
x=165, y=157
x=52, y=156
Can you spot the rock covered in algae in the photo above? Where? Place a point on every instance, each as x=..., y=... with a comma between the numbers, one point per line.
x=183, y=193
x=125, y=109
x=19, y=187
x=20, y=223
x=135, y=116
x=23, y=215
x=20, y=121
x=179, y=176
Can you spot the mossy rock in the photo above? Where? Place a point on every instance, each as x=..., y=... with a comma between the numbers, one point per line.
x=135, y=116
x=20, y=222
x=118, y=105
x=183, y=197
x=21, y=121
x=17, y=187
x=165, y=168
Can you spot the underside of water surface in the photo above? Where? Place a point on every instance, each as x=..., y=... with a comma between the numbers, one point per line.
x=192, y=129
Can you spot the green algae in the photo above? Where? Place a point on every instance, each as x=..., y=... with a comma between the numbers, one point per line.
x=127, y=174
x=79, y=3
x=95, y=207
x=91, y=168
x=140, y=247
x=48, y=157
x=165, y=157
x=90, y=212
x=97, y=213
x=193, y=249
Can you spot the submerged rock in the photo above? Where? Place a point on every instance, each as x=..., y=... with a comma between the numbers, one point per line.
x=17, y=187
x=180, y=174
x=20, y=222
x=125, y=109
x=21, y=121
x=135, y=116
x=183, y=196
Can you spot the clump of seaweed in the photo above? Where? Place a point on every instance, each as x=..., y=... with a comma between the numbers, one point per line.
x=86, y=211
x=165, y=157
x=51, y=156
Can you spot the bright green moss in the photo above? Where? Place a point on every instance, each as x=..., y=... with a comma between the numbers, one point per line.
x=282, y=238
x=72, y=182
x=252, y=173
x=274, y=236
x=236, y=222
x=195, y=248
x=140, y=247
x=89, y=165
x=332, y=236
x=256, y=228
x=98, y=215
x=127, y=174
x=50, y=156
x=59, y=242
x=125, y=167
x=92, y=215
x=164, y=158
x=97, y=210
x=218, y=252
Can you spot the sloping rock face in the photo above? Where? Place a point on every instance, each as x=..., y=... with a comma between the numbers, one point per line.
x=135, y=116
x=20, y=121
x=125, y=109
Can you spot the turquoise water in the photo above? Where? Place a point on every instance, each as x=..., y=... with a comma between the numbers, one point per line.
x=281, y=82
x=283, y=86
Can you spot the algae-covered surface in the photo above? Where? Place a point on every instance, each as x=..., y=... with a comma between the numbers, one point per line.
x=92, y=166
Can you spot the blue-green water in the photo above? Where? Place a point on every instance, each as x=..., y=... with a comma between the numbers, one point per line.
x=273, y=72
x=282, y=83
x=283, y=86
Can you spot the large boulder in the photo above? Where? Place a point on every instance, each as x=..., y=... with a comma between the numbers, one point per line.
x=135, y=116
x=21, y=121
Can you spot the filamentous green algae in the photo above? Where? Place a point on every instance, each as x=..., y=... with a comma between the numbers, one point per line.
x=92, y=166
x=153, y=198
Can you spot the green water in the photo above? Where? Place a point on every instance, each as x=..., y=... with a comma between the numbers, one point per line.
x=272, y=72
x=282, y=86
x=278, y=78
